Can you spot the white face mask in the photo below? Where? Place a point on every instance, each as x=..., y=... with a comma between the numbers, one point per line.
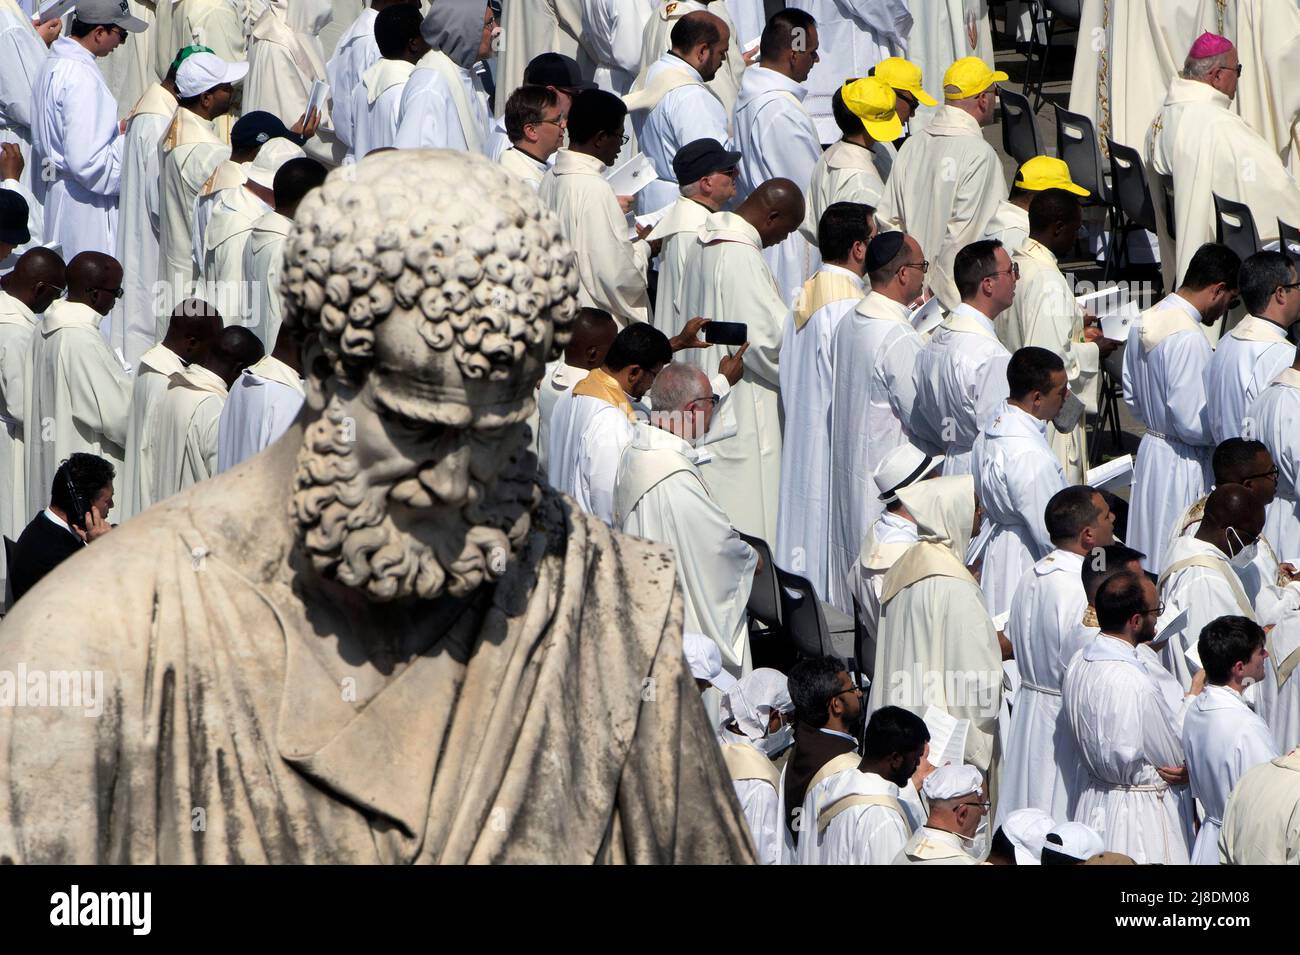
x=776, y=743
x=1244, y=556
x=978, y=845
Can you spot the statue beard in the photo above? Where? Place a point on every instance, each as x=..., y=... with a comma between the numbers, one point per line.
x=345, y=527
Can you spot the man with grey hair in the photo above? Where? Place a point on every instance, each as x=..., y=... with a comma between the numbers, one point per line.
x=308, y=654
x=659, y=495
x=1199, y=146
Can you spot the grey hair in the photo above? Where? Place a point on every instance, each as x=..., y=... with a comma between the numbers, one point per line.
x=1199, y=68
x=677, y=386
x=691, y=189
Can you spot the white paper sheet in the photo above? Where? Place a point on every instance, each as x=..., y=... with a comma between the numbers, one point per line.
x=320, y=90
x=927, y=318
x=1112, y=474
x=633, y=176
x=947, y=737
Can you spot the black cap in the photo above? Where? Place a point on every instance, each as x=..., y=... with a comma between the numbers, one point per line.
x=556, y=69
x=253, y=129
x=884, y=248
x=700, y=158
x=13, y=218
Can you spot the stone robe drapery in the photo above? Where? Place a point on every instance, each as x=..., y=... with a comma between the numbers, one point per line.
x=77, y=392
x=872, y=396
x=152, y=375
x=1245, y=361
x=804, y=511
x=777, y=139
x=943, y=191
x=611, y=269
x=1164, y=386
x=727, y=280
x=844, y=173
x=424, y=766
x=184, y=431
x=1203, y=148
x=263, y=403
x=1223, y=739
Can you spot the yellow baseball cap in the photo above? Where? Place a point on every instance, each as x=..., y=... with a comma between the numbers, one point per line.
x=901, y=74
x=971, y=76
x=1045, y=172
x=871, y=100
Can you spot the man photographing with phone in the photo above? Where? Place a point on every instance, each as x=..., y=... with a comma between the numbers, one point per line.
x=81, y=494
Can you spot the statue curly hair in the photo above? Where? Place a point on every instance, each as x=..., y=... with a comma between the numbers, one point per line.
x=491, y=280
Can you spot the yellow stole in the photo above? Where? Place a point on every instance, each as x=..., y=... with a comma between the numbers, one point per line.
x=600, y=384
x=819, y=291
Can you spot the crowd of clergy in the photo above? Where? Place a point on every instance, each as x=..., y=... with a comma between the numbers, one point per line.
x=820, y=341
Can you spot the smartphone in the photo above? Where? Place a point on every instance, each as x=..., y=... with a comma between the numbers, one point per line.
x=78, y=516
x=726, y=333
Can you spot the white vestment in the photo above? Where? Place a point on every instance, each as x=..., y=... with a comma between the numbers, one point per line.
x=184, y=428
x=17, y=325
x=611, y=36
x=262, y=404
x=1010, y=226
x=757, y=782
x=1016, y=474
x=75, y=142
x=283, y=63
x=655, y=41
x=559, y=377
x=611, y=269
x=263, y=260
x=960, y=380
x=376, y=106
x=1204, y=148
x=861, y=821
x=1261, y=824
x=355, y=53
x=587, y=439
x=675, y=108
x=677, y=231
x=444, y=106
x=941, y=35
x=76, y=392
x=1272, y=417
x=804, y=510
x=518, y=163
x=935, y=847
x=1197, y=578
x=216, y=24
x=1164, y=386
x=660, y=496
x=846, y=172
x=22, y=52
x=1222, y=738
x=727, y=280
x=1043, y=628
x=152, y=375
x=777, y=139
x=873, y=356
x=531, y=27
x=234, y=212
x=943, y=191
x=1246, y=360
x=886, y=541
x=1119, y=711
x=133, y=321
x=1046, y=314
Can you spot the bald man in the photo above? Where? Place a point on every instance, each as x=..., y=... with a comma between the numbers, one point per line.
x=35, y=282
x=592, y=333
x=79, y=394
x=193, y=325
x=1199, y=575
x=184, y=431
x=726, y=279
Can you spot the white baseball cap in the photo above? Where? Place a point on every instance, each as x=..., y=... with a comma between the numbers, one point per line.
x=1026, y=829
x=1073, y=840
x=273, y=154
x=904, y=465
x=203, y=71
x=705, y=660
x=109, y=13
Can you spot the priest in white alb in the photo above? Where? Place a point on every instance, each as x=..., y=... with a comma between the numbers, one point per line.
x=1125, y=713
x=676, y=107
x=948, y=181
x=590, y=336
x=804, y=365
x=263, y=402
x=846, y=172
x=873, y=356
x=776, y=135
x=444, y=105
x=660, y=496
x=377, y=98
x=728, y=280
x=218, y=25
x=1010, y=224
x=1199, y=148
x=937, y=645
x=706, y=173
x=943, y=32
x=535, y=123
x=1165, y=362
x=77, y=393
x=611, y=267
x=1045, y=612
x=756, y=717
x=354, y=53
x=1272, y=418
x=1223, y=738
x=1250, y=356
x=23, y=50
x=285, y=57
x=656, y=40
x=1261, y=824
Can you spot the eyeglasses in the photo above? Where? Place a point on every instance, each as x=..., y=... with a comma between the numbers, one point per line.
x=1158, y=610
x=1237, y=70
x=923, y=265
x=561, y=122
x=731, y=172
x=1267, y=475
x=983, y=806
x=851, y=688
x=1290, y=285
x=711, y=399
x=121, y=33
x=623, y=139
x=115, y=292
x=1014, y=270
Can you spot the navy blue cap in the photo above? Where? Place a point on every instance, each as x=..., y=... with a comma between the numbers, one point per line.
x=701, y=158
x=253, y=129
x=13, y=218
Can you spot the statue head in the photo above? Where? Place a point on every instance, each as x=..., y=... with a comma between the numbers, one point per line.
x=430, y=288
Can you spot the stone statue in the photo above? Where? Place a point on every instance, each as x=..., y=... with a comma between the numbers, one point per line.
x=380, y=640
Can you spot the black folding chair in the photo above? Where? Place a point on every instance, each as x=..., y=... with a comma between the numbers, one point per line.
x=1077, y=145
x=864, y=644
x=1132, y=196
x=1021, y=139
x=1048, y=14
x=802, y=613
x=1289, y=236
x=1235, y=226
x=769, y=638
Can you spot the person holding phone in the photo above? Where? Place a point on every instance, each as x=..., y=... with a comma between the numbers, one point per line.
x=81, y=495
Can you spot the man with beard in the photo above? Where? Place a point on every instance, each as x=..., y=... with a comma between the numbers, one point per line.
x=360, y=645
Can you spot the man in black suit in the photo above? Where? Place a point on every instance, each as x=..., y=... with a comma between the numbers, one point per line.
x=59, y=531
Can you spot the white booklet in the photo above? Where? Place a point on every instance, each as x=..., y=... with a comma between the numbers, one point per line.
x=927, y=318
x=1113, y=309
x=53, y=11
x=947, y=737
x=1111, y=475
x=633, y=176
x=316, y=98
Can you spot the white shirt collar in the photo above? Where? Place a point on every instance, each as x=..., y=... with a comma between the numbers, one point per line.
x=50, y=515
x=856, y=279
x=971, y=312
x=1173, y=298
